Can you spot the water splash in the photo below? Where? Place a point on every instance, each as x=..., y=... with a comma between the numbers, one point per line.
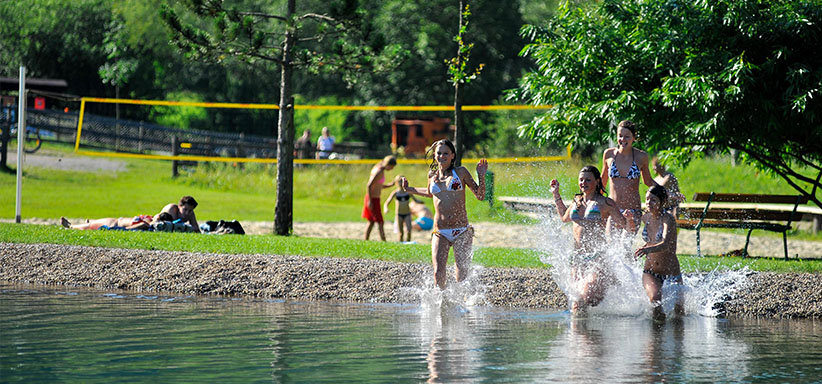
x=702, y=294
x=457, y=296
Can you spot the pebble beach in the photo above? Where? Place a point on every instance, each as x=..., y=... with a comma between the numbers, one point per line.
x=769, y=295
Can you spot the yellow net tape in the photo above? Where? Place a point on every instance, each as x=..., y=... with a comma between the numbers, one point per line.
x=303, y=107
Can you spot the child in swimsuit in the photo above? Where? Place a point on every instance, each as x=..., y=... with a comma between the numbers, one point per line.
x=402, y=211
x=371, y=202
x=661, y=263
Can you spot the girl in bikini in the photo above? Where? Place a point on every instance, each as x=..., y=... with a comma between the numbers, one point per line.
x=624, y=165
x=661, y=263
x=589, y=213
x=447, y=185
x=403, y=209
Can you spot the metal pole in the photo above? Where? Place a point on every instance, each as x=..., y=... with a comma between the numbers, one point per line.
x=21, y=134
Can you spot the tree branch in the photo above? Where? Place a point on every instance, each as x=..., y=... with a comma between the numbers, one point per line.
x=262, y=15
x=319, y=17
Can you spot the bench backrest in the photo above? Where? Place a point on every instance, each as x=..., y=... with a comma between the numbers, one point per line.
x=739, y=214
x=750, y=198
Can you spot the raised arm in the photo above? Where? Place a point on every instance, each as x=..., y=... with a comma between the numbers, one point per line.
x=561, y=208
x=477, y=189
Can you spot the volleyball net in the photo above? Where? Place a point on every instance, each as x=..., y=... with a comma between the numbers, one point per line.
x=105, y=129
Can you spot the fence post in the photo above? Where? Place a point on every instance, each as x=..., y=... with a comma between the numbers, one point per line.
x=241, y=150
x=174, y=151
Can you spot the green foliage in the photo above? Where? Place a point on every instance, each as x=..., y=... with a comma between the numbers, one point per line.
x=695, y=76
x=317, y=119
x=186, y=117
x=458, y=65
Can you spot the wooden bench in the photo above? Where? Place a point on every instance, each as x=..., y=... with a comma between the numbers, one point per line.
x=746, y=212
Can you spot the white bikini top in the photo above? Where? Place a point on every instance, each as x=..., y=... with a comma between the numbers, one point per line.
x=456, y=184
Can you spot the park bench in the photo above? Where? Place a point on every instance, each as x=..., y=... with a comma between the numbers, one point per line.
x=746, y=211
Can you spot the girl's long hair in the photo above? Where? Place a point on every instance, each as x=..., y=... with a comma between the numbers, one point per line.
x=432, y=150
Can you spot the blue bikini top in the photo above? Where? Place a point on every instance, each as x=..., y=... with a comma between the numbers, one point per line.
x=645, y=234
x=455, y=185
x=633, y=171
x=592, y=212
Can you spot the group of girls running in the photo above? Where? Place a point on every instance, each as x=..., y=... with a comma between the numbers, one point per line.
x=594, y=216
x=592, y=213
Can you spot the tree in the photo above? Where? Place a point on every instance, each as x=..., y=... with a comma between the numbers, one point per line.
x=695, y=76
x=339, y=40
x=459, y=75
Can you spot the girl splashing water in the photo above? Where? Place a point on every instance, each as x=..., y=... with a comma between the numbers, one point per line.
x=447, y=185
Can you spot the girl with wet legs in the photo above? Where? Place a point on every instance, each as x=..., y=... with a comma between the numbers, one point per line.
x=447, y=185
x=589, y=212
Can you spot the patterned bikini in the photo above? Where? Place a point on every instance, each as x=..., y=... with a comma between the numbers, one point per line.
x=450, y=234
x=660, y=277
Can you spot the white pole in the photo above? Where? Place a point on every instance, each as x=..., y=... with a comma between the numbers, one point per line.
x=21, y=134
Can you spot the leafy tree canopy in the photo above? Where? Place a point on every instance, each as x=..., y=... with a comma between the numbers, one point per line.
x=694, y=75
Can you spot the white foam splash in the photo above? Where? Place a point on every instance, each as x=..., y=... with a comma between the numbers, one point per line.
x=703, y=293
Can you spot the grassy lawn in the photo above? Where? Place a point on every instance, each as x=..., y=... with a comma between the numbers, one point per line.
x=316, y=247
x=321, y=193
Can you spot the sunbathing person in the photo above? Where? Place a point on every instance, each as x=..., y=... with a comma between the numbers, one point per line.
x=184, y=211
x=137, y=222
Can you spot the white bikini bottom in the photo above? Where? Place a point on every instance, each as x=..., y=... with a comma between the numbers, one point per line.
x=451, y=234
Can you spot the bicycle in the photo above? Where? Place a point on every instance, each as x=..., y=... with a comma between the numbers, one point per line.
x=32, y=140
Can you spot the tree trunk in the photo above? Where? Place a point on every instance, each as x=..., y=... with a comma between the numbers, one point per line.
x=284, y=211
x=459, y=134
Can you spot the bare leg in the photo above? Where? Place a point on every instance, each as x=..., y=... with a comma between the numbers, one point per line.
x=96, y=224
x=653, y=288
x=399, y=226
x=368, y=230
x=462, y=253
x=407, y=223
x=439, y=256
x=380, y=226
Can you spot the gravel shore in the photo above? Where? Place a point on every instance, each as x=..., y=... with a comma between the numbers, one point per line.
x=292, y=277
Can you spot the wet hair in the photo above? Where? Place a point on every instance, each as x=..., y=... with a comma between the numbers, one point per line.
x=432, y=151
x=389, y=160
x=660, y=193
x=629, y=125
x=188, y=200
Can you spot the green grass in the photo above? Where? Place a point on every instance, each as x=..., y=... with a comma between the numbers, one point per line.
x=316, y=247
x=322, y=194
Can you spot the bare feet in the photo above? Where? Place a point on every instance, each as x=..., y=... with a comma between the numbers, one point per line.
x=64, y=222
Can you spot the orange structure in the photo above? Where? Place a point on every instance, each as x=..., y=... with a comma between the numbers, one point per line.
x=415, y=134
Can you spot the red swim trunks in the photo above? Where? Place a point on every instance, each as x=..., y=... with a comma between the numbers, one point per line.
x=375, y=213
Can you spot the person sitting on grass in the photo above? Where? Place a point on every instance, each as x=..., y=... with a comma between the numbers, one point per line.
x=403, y=210
x=184, y=211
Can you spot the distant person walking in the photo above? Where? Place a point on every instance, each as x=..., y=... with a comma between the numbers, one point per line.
x=624, y=165
x=372, y=209
x=402, y=211
x=446, y=185
x=303, y=148
x=325, y=144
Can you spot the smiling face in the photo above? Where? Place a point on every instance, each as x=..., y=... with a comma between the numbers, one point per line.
x=443, y=156
x=587, y=182
x=625, y=137
x=652, y=202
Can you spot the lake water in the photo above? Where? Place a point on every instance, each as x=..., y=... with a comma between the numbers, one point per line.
x=53, y=334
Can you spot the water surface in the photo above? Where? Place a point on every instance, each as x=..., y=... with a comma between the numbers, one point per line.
x=72, y=335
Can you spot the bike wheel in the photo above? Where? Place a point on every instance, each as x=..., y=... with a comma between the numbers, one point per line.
x=33, y=142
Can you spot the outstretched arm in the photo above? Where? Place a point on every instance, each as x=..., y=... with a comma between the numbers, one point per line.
x=561, y=208
x=414, y=191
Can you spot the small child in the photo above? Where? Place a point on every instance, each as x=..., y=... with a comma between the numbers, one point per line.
x=403, y=211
